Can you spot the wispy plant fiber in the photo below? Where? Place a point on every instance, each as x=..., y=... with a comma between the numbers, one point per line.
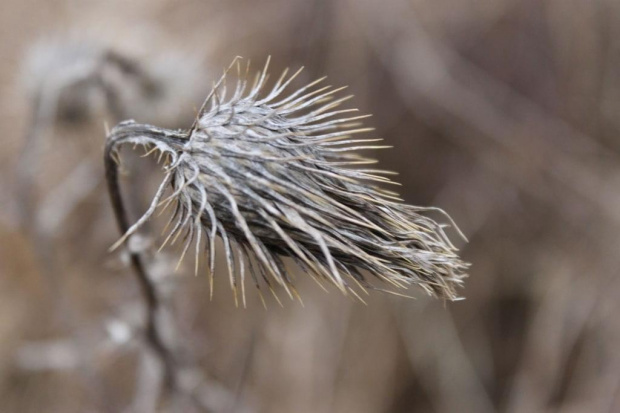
x=275, y=175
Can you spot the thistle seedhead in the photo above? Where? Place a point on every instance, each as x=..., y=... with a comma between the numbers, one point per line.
x=271, y=175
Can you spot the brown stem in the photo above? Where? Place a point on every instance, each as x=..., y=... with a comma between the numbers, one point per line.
x=149, y=291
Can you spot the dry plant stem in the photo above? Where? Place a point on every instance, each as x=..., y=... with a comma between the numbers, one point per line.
x=147, y=287
x=154, y=306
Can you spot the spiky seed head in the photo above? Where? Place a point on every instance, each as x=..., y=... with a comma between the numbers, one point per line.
x=275, y=175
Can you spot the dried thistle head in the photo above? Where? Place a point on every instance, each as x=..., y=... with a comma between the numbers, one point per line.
x=275, y=175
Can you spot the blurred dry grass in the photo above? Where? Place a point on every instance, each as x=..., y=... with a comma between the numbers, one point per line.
x=504, y=113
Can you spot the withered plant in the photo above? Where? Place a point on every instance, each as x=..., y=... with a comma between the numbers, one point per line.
x=275, y=175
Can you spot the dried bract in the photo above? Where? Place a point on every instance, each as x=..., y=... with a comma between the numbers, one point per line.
x=275, y=175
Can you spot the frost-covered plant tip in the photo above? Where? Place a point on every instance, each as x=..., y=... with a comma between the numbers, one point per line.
x=275, y=175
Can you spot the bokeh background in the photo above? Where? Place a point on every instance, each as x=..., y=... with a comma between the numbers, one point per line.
x=504, y=113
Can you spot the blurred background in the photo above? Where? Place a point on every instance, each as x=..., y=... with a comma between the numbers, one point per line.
x=504, y=113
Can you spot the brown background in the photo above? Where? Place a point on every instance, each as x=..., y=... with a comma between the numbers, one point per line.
x=504, y=113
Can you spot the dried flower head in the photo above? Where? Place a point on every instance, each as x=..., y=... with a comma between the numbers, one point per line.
x=270, y=174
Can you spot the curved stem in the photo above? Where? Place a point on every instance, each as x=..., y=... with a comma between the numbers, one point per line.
x=149, y=291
